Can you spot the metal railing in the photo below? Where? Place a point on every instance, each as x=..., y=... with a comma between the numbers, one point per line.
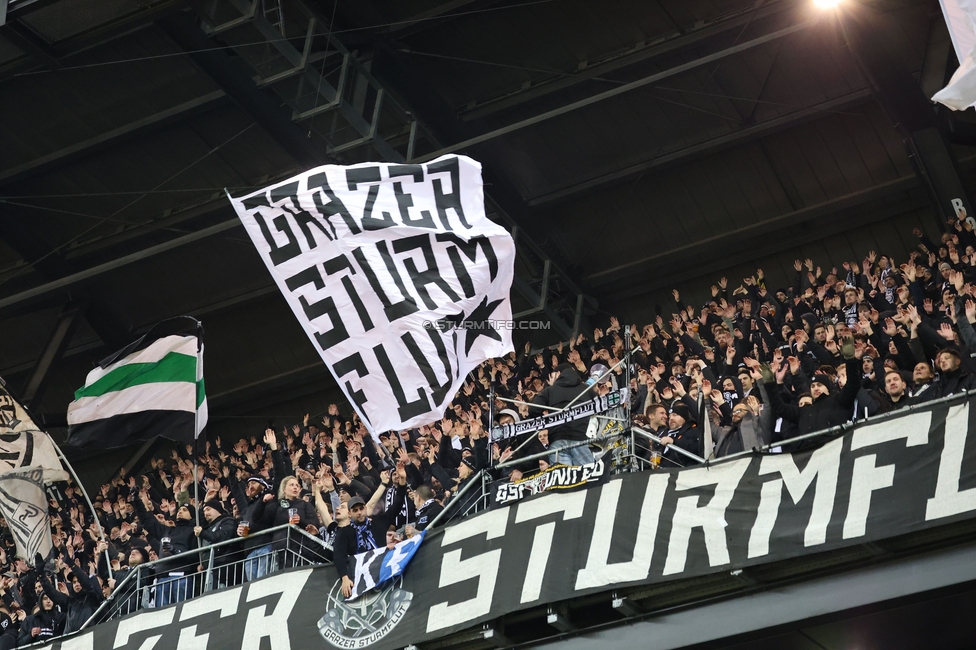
x=157, y=583
x=177, y=578
x=640, y=463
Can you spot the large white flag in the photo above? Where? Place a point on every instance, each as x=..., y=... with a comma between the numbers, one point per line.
x=960, y=17
x=24, y=506
x=22, y=444
x=395, y=273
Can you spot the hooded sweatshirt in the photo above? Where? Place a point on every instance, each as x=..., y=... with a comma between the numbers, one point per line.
x=566, y=389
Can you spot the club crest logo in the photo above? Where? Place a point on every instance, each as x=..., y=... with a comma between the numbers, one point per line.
x=362, y=622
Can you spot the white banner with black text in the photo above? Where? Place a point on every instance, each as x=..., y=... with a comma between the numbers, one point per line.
x=396, y=275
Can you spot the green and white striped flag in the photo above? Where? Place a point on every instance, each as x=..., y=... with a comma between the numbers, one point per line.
x=153, y=387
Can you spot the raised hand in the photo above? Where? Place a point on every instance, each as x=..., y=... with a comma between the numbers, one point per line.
x=677, y=387
x=945, y=329
x=794, y=364
x=270, y=439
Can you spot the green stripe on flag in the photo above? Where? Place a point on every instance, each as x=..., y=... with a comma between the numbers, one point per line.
x=173, y=367
x=201, y=393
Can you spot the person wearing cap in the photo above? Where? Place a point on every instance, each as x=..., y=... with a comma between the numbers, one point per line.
x=745, y=432
x=508, y=416
x=221, y=527
x=9, y=625
x=257, y=549
x=170, y=542
x=681, y=433
x=924, y=386
x=138, y=556
x=564, y=388
x=83, y=598
x=365, y=532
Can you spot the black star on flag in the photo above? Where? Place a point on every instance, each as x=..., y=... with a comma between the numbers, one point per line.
x=474, y=324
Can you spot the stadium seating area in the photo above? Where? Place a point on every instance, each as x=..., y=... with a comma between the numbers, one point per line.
x=752, y=367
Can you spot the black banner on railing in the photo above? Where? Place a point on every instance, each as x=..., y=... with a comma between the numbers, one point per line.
x=879, y=480
x=558, y=478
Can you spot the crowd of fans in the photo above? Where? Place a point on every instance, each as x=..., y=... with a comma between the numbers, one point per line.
x=756, y=364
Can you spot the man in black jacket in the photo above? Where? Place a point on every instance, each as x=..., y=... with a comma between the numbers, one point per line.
x=133, y=588
x=953, y=377
x=171, y=542
x=426, y=506
x=82, y=600
x=221, y=527
x=564, y=388
x=363, y=533
x=681, y=433
x=256, y=549
x=830, y=406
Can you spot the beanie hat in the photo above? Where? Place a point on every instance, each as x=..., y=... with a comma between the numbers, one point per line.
x=681, y=410
x=216, y=505
x=823, y=380
x=142, y=553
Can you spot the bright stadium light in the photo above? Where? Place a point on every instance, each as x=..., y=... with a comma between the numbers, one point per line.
x=826, y=4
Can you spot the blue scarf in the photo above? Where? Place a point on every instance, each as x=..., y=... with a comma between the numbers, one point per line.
x=364, y=536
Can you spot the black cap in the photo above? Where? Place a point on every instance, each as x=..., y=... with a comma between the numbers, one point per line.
x=681, y=410
x=142, y=552
x=823, y=380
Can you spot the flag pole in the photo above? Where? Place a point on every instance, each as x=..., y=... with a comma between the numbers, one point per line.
x=84, y=493
x=196, y=429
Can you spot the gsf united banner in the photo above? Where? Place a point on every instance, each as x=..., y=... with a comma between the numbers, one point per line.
x=396, y=275
x=879, y=480
x=559, y=478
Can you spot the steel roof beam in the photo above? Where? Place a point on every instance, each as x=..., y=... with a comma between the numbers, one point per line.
x=780, y=240
x=709, y=146
x=57, y=343
x=641, y=52
x=639, y=83
x=93, y=37
x=87, y=274
x=109, y=138
x=731, y=240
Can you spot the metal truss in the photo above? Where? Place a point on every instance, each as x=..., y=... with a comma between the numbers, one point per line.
x=331, y=92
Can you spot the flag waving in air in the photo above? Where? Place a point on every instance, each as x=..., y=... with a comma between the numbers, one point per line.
x=152, y=387
x=22, y=444
x=396, y=274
